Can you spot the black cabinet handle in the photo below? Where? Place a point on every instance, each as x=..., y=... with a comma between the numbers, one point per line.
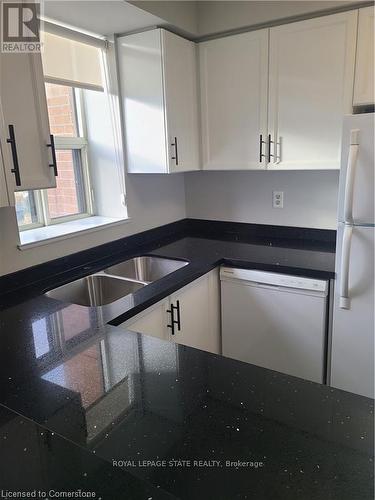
x=13, y=145
x=53, y=151
x=178, y=316
x=171, y=325
x=269, y=148
x=174, y=144
x=261, y=142
x=173, y=321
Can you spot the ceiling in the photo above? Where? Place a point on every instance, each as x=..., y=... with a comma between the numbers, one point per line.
x=101, y=17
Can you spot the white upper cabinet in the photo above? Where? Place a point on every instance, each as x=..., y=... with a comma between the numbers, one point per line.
x=364, y=74
x=276, y=98
x=25, y=135
x=4, y=160
x=234, y=79
x=310, y=90
x=4, y=200
x=181, y=101
x=158, y=80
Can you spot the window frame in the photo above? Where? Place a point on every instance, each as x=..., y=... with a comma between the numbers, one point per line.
x=79, y=143
x=38, y=210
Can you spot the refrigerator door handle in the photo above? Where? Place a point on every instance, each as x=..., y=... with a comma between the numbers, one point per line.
x=350, y=176
x=344, y=302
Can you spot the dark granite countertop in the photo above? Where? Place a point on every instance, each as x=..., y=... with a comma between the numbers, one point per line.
x=86, y=404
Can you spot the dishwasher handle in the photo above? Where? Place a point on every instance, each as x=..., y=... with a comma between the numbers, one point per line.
x=274, y=280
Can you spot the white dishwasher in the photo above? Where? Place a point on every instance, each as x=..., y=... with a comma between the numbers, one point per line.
x=275, y=321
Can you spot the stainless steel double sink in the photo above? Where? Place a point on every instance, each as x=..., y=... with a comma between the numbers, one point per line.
x=117, y=281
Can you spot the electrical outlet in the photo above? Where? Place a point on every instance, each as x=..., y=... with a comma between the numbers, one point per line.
x=278, y=199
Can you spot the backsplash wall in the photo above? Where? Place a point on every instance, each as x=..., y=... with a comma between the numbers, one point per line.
x=153, y=200
x=310, y=198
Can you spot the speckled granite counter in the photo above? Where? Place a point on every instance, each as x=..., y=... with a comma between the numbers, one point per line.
x=130, y=416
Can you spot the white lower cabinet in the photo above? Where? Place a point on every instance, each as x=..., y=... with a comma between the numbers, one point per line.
x=196, y=315
x=151, y=321
x=199, y=306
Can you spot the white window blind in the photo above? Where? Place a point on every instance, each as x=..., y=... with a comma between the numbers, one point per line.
x=71, y=62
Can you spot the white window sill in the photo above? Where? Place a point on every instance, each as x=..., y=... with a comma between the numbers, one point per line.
x=49, y=234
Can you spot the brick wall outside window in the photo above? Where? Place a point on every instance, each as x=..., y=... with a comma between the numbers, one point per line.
x=63, y=199
x=60, y=102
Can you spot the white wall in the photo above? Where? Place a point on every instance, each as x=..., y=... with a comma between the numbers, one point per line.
x=310, y=198
x=153, y=200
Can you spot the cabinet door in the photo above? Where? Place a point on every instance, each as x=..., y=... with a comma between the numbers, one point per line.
x=234, y=79
x=141, y=83
x=6, y=195
x=364, y=71
x=24, y=106
x=310, y=89
x=181, y=102
x=153, y=321
x=199, y=305
x=4, y=201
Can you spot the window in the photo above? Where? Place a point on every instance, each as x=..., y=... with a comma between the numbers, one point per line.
x=71, y=198
x=84, y=119
x=70, y=68
x=27, y=215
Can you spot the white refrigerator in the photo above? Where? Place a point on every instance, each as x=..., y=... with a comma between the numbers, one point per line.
x=352, y=354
